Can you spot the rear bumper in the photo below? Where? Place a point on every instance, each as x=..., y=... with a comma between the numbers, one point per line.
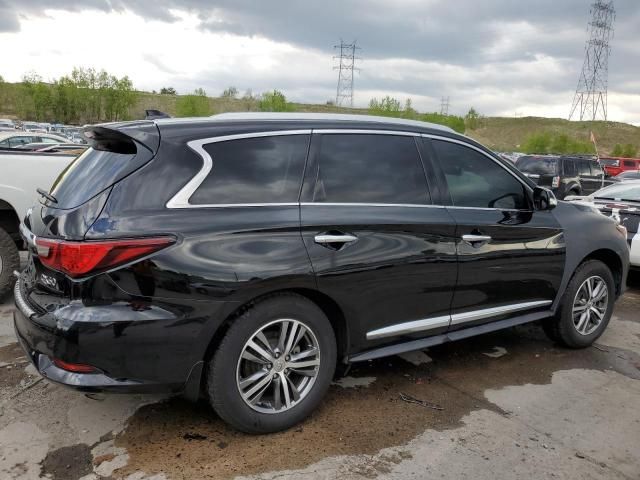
x=104, y=345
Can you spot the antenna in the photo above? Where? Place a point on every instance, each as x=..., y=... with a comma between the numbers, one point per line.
x=346, y=66
x=590, y=98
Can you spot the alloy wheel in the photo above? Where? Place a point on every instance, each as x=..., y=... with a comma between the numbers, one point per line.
x=590, y=305
x=278, y=366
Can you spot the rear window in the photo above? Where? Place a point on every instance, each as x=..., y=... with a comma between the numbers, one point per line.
x=91, y=173
x=538, y=165
x=254, y=170
x=629, y=163
x=610, y=162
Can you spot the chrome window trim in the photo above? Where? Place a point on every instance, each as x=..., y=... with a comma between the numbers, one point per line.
x=181, y=199
x=359, y=204
x=416, y=326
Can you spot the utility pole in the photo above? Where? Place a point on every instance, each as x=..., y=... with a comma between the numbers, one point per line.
x=590, y=98
x=346, y=66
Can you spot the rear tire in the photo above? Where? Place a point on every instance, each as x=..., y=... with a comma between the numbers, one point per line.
x=9, y=261
x=585, y=308
x=274, y=406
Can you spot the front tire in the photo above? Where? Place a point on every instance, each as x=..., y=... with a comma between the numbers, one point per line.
x=273, y=366
x=9, y=261
x=585, y=308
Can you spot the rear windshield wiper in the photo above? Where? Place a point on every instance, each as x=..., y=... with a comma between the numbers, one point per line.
x=46, y=195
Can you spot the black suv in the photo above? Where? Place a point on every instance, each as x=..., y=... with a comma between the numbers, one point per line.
x=564, y=175
x=244, y=255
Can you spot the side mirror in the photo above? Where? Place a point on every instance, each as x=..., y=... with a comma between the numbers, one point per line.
x=544, y=199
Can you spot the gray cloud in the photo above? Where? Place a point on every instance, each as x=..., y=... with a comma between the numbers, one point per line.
x=523, y=52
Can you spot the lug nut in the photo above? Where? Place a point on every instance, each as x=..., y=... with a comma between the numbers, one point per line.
x=287, y=358
x=269, y=366
x=275, y=375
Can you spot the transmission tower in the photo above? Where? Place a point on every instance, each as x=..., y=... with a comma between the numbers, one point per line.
x=590, y=99
x=444, y=106
x=346, y=67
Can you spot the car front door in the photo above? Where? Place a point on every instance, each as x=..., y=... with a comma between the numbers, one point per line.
x=378, y=245
x=510, y=257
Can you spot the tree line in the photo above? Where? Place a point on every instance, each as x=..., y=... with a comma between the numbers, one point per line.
x=83, y=96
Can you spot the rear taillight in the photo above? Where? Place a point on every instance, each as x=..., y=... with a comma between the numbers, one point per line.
x=78, y=259
x=74, y=367
x=555, y=182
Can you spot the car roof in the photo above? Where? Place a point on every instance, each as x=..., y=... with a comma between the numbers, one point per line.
x=317, y=117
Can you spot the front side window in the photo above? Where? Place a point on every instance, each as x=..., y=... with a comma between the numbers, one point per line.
x=474, y=180
x=17, y=141
x=369, y=168
x=596, y=169
x=254, y=170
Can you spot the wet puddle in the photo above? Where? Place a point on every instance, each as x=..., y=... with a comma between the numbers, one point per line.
x=184, y=440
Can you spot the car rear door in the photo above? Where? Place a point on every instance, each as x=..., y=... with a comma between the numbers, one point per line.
x=510, y=257
x=378, y=245
x=589, y=182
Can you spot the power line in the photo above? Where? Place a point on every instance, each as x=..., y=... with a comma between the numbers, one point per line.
x=346, y=67
x=590, y=98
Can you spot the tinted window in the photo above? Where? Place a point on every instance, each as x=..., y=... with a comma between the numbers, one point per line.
x=362, y=168
x=91, y=173
x=629, y=163
x=22, y=140
x=583, y=167
x=538, y=165
x=254, y=170
x=474, y=180
x=569, y=167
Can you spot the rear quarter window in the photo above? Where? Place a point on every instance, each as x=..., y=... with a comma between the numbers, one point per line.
x=254, y=171
x=538, y=165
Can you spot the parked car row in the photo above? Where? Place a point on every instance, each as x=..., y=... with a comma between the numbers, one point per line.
x=68, y=132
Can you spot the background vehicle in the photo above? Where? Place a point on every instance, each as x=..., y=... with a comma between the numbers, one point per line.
x=16, y=139
x=622, y=203
x=33, y=127
x=52, y=147
x=245, y=255
x=564, y=175
x=614, y=166
x=626, y=176
x=21, y=173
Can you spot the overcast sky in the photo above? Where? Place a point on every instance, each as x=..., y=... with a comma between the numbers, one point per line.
x=504, y=57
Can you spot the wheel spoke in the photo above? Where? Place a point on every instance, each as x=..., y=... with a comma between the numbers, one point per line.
x=285, y=388
x=283, y=335
x=263, y=339
x=258, y=387
x=579, y=308
x=261, y=351
x=307, y=353
x=597, y=312
x=244, y=383
x=590, y=287
x=277, y=395
x=291, y=337
x=247, y=355
x=304, y=364
x=584, y=319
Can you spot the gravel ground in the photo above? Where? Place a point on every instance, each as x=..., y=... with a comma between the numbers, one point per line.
x=503, y=405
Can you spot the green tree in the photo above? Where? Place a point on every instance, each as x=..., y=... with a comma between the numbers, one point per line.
x=387, y=107
x=451, y=121
x=230, y=92
x=39, y=95
x=617, y=150
x=194, y=105
x=629, y=151
x=167, y=91
x=472, y=119
x=274, y=102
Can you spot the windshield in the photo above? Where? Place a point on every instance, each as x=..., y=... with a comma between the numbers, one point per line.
x=611, y=162
x=538, y=165
x=626, y=191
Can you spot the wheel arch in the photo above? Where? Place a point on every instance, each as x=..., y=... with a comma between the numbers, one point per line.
x=329, y=307
x=9, y=220
x=612, y=261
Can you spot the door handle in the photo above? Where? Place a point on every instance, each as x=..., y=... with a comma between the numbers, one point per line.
x=476, y=240
x=325, y=238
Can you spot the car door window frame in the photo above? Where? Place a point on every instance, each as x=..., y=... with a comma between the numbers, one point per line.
x=445, y=194
x=312, y=168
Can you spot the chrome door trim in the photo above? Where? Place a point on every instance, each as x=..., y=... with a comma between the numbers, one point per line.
x=365, y=131
x=455, y=319
x=326, y=238
x=181, y=199
x=474, y=315
x=359, y=204
x=409, y=327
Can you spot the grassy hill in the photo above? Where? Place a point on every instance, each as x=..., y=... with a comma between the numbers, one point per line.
x=498, y=133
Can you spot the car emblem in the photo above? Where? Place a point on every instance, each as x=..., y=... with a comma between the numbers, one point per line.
x=48, y=281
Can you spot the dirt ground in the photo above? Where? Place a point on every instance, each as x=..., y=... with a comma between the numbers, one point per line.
x=503, y=405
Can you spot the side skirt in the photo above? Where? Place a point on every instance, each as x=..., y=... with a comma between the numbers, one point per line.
x=448, y=337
